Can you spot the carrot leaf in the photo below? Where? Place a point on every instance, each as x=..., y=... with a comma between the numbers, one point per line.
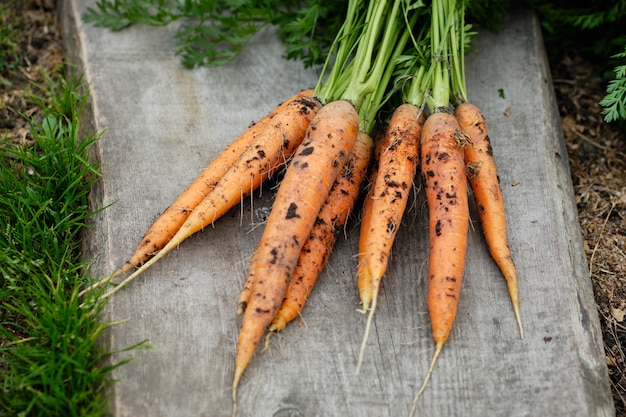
x=214, y=31
x=615, y=100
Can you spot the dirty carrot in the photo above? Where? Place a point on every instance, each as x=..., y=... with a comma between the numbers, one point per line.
x=317, y=248
x=445, y=185
x=366, y=209
x=170, y=221
x=301, y=194
x=175, y=215
x=319, y=245
x=275, y=144
x=386, y=205
x=445, y=182
x=483, y=179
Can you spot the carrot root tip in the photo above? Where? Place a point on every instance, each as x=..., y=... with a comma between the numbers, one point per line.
x=518, y=318
x=234, y=414
x=438, y=349
x=368, y=327
x=238, y=373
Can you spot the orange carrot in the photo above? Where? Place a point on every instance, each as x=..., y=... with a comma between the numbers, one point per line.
x=386, y=205
x=304, y=188
x=366, y=210
x=443, y=170
x=170, y=221
x=483, y=178
x=276, y=143
x=313, y=256
x=319, y=245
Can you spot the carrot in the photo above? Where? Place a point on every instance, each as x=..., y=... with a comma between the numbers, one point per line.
x=317, y=248
x=319, y=245
x=386, y=205
x=170, y=221
x=443, y=171
x=276, y=142
x=304, y=188
x=368, y=201
x=483, y=179
x=366, y=210
x=366, y=218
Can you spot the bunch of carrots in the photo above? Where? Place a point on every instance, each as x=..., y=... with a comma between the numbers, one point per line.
x=388, y=54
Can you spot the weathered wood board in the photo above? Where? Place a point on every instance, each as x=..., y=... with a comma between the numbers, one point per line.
x=164, y=123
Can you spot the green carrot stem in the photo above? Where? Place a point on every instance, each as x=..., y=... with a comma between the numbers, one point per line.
x=366, y=53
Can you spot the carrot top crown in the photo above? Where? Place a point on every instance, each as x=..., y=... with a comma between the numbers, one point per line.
x=366, y=53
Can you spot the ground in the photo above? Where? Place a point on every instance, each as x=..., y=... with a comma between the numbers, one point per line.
x=597, y=157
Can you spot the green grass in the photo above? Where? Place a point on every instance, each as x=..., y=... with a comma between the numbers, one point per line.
x=51, y=363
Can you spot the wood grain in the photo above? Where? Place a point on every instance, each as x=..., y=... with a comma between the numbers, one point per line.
x=164, y=123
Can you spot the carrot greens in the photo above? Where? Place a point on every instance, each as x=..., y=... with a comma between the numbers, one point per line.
x=213, y=32
x=371, y=44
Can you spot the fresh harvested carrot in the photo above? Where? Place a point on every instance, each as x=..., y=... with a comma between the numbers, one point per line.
x=175, y=215
x=276, y=143
x=319, y=245
x=313, y=258
x=170, y=221
x=366, y=210
x=443, y=169
x=385, y=206
x=304, y=188
x=483, y=178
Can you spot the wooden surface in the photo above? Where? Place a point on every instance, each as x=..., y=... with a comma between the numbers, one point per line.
x=164, y=123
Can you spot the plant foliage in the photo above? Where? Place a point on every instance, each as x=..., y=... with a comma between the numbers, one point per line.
x=597, y=30
x=614, y=102
x=51, y=363
x=9, y=56
x=212, y=32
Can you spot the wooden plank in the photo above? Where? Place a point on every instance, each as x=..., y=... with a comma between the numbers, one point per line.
x=164, y=123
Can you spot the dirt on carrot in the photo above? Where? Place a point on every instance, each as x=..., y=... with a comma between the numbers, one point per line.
x=446, y=193
x=445, y=184
x=301, y=194
x=275, y=145
x=483, y=179
x=170, y=221
x=385, y=205
x=331, y=219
